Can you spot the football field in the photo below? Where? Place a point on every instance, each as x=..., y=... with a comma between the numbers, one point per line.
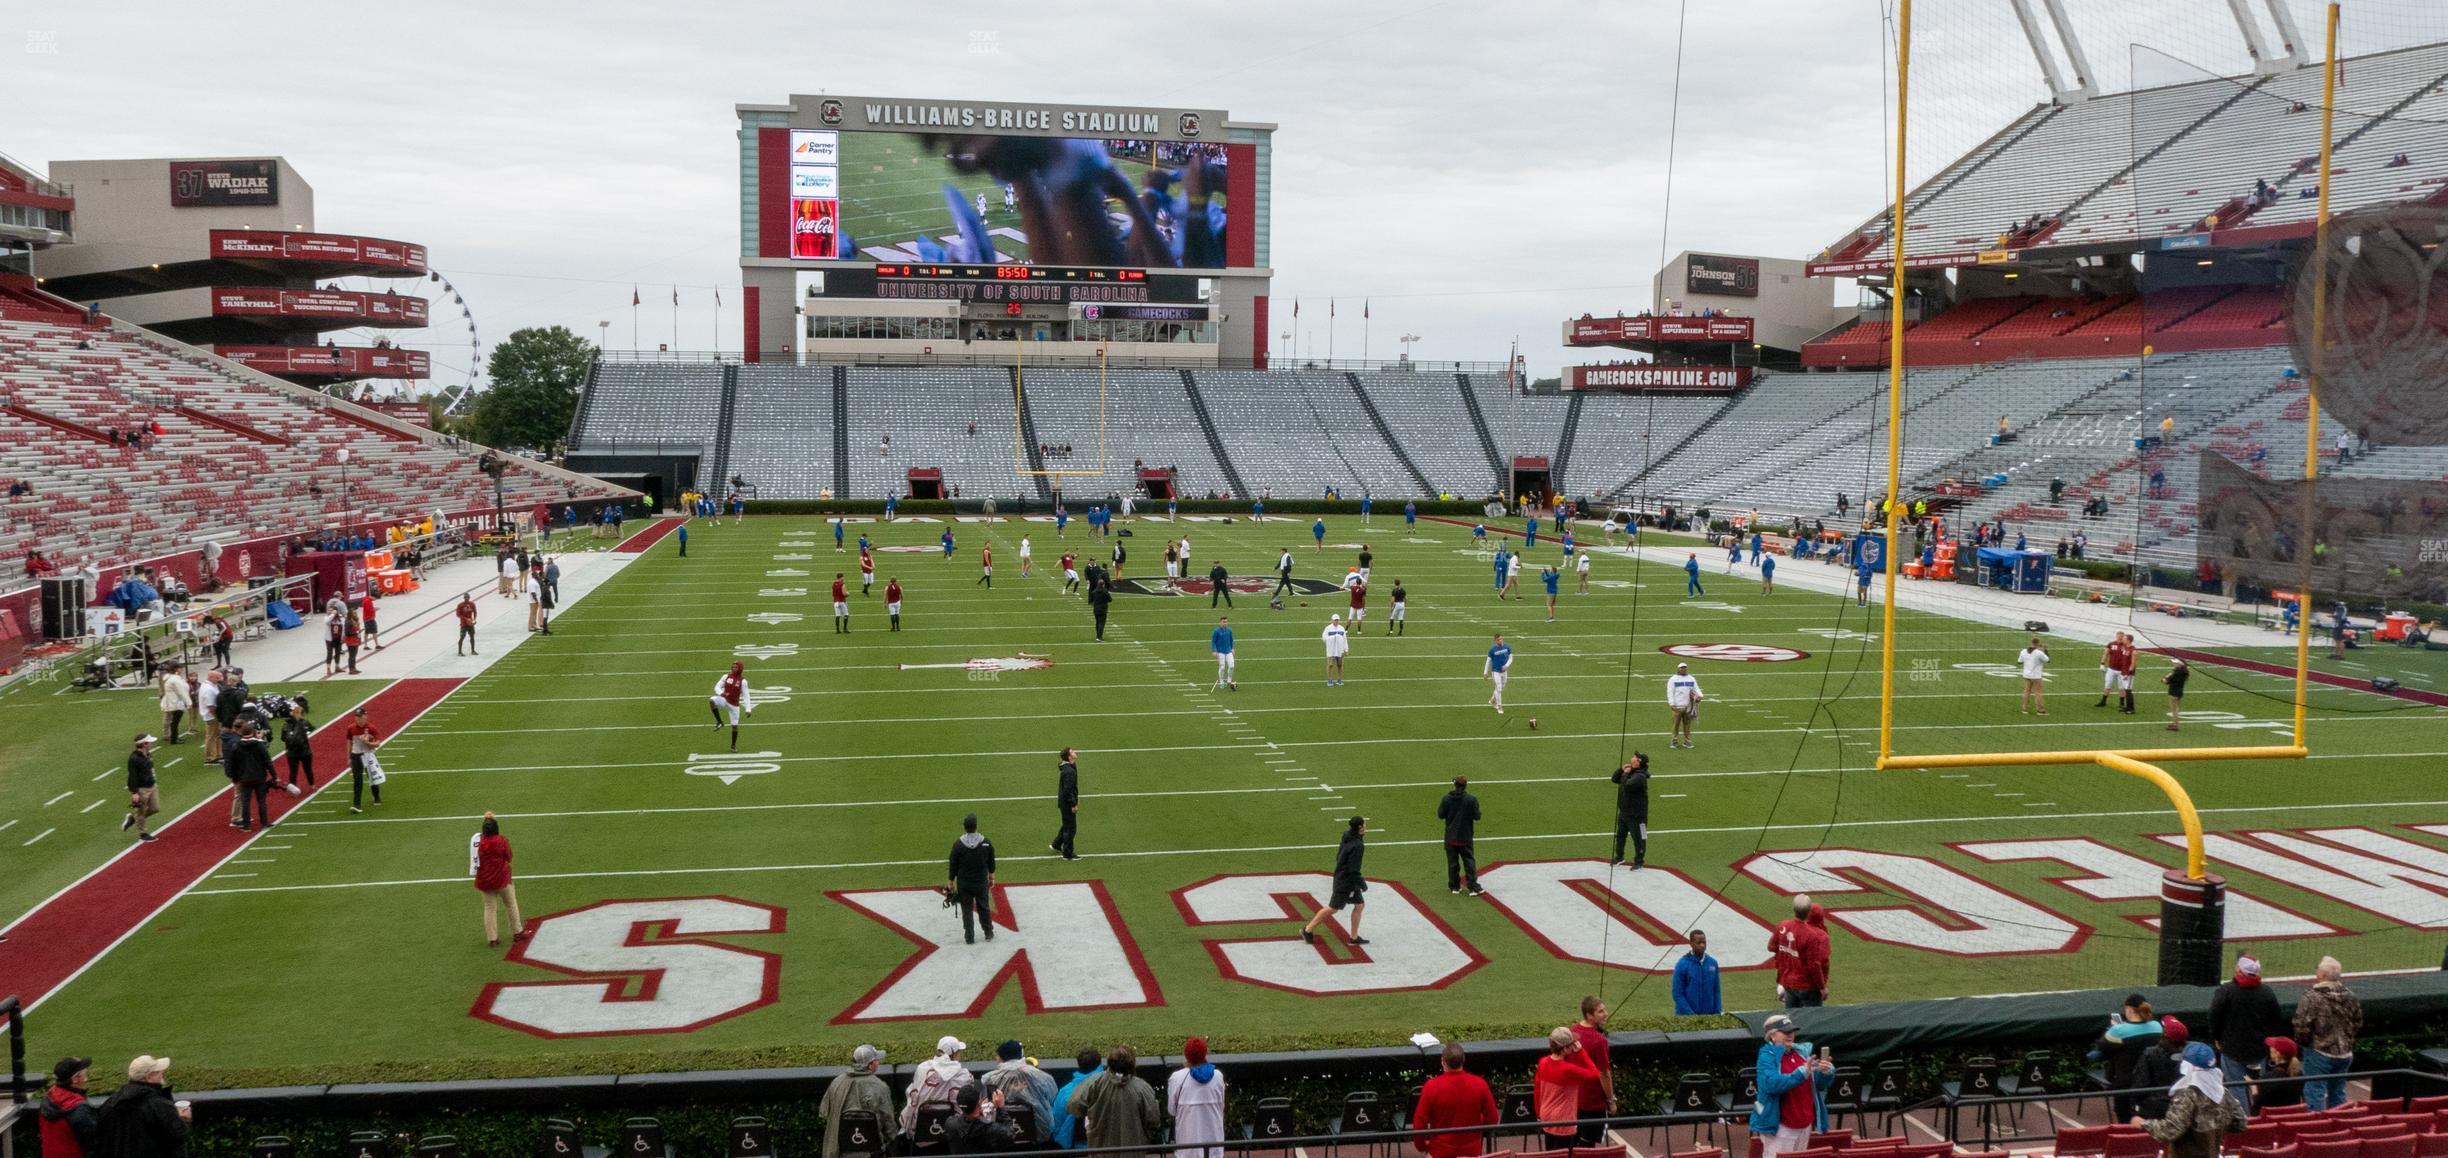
x=695, y=906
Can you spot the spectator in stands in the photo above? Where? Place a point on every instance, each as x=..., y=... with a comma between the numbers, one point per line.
x=857, y=1091
x=2243, y=1016
x=1454, y=1100
x=20, y=489
x=2200, y=1111
x=1062, y=1128
x=70, y=1128
x=971, y=1131
x=1597, y=1099
x=2131, y=1031
x=1557, y=1085
x=2399, y=161
x=2327, y=1018
x=140, y=1120
x=1789, y=1109
x=935, y=1080
x=38, y=565
x=2155, y=1071
x=1695, y=980
x=1116, y=1108
x=1019, y=1082
x=1800, y=946
x=1194, y=1096
x=2282, y=1063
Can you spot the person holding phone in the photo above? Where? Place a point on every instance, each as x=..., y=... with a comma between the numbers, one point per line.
x=1790, y=1108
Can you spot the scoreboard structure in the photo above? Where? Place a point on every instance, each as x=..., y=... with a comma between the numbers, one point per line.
x=910, y=229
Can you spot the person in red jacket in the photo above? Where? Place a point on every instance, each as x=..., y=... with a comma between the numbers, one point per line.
x=69, y=1128
x=489, y=862
x=1801, y=948
x=1558, y=1085
x=1450, y=1101
x=467, y=625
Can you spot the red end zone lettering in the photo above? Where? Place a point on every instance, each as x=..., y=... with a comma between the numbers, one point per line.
x=1568, y=906
x=1064, y=942
x=1735, y=652
x=1409, y=948
x=645, y=978
x=1957, y=915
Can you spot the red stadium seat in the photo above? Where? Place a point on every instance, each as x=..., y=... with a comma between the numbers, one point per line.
x=2401, y=1146
x=1833, y=1140
x=2075, y=1141
x=2134, y=1145
x=2429, y=1105
x=2350, y=1147
x=2269, y=1152
x=2383, y=1128
x=2431, y=1146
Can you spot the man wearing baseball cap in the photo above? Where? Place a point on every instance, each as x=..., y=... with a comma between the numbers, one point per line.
x=68, y=1122
x=858, y=1090
x=1683, y=701
x=144, y=799
x=1789, y=1108
x=1022, y=1084
x=140, y=1120
x=936, y=1080
x=2244, y=1015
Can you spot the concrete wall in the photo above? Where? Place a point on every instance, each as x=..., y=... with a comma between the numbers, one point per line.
x=1791, y=307
x=129, y=201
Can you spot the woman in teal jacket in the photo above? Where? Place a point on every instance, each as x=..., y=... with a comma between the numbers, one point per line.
x=1785, y=1067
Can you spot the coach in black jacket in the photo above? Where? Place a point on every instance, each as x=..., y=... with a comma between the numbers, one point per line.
x=1632, y=808
x=250, y=767
x=1221, y=581
x=973, y=871
x=1460, y=812
x=1066, y=803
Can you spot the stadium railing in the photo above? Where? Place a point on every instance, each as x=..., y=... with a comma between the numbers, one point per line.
x=2399, y=1085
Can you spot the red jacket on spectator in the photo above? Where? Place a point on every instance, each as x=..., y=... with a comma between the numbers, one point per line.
x=1451, y=1099
x=492, y=862
x=1801, y=948
x=1558, y=1086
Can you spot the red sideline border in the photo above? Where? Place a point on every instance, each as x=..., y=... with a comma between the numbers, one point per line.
x=637, y=544
x=77, y=926
x=2189, y=655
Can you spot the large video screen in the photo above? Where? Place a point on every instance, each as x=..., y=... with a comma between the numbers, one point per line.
x=952, y=197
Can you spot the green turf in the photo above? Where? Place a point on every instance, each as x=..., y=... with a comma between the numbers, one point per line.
x=580, y=742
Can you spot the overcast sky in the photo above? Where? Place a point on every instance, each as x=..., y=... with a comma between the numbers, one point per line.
x=1475, y=171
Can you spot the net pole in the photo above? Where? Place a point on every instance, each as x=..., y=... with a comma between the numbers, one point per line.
x=2319, y=344
x=1895, y=387
x=1019, y=437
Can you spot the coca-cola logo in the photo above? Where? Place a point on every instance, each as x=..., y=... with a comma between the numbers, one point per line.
x=816, y=225
x=830, y=112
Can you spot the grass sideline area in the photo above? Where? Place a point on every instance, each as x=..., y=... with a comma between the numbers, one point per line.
x=355, y=950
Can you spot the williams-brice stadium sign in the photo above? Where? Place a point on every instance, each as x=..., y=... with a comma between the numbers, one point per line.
x=1659, y=378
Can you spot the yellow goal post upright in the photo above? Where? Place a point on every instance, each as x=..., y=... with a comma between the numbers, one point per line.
x=2192, y=900
x=1020, y=407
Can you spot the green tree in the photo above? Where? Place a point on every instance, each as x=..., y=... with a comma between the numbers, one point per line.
x=533, y=394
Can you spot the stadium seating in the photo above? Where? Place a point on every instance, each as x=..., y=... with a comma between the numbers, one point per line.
x=237, y=455
x=1303, y=431
x=782, y=430
x=2158, y=161
x=1143, y=415
x=1427, y=415
x=926, y=411
x=636, y=404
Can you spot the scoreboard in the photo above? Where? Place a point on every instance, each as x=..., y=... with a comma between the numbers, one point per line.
x=1007, y=273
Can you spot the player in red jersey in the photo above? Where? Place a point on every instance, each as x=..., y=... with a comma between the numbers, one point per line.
x=1359, y=599
x=892, y=601
x=866, y=571
x=1070, y=566
x=841, y=605
x=985, y=565
x=730, y=693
